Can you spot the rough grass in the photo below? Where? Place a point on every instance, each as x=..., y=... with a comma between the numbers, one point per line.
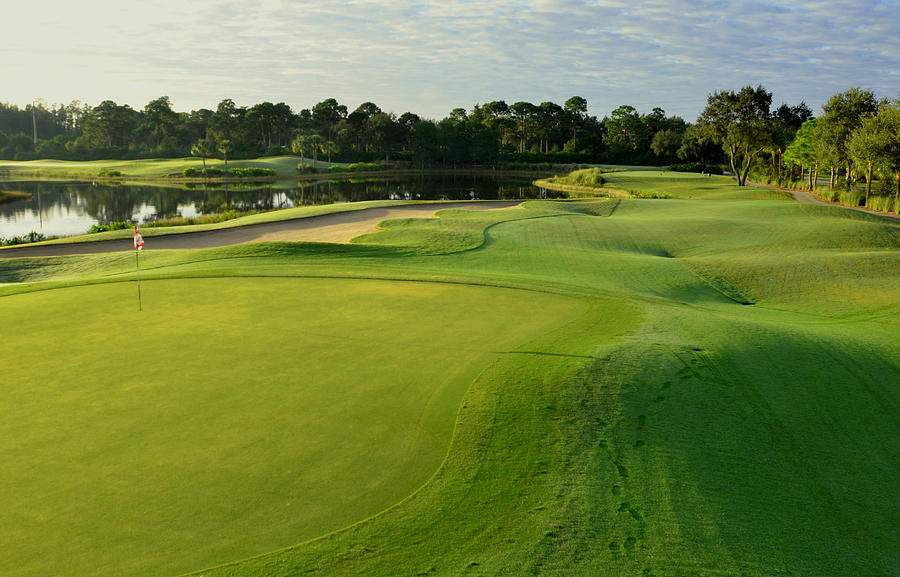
x=668, y=430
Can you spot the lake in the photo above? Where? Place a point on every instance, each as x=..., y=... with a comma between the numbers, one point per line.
x=69, y=208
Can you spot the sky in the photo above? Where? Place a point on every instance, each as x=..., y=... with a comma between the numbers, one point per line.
x=431, y=56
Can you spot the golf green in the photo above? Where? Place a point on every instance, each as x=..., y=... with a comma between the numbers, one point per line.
x=231, y=417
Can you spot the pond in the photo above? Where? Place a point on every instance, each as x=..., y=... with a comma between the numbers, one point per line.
x=68, y=208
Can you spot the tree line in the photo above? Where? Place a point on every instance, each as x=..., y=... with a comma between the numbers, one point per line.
x=854, y=139
x=486, y=134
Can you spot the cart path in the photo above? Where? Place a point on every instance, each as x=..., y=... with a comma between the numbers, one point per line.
x=336, y=227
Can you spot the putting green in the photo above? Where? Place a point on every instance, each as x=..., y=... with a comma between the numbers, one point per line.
x=232, y=416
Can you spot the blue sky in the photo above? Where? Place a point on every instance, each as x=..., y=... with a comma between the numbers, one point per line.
x=429, y=56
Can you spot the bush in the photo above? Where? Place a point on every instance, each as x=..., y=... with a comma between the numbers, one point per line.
x=229, y=214
x=212, y=172
x=189, y=172
x=25, y=239
x=118, y=225
x=107, y=173
x=589, y=177
x=241, y=172
x=852, y=197
x=356, y=167
x=648, y=194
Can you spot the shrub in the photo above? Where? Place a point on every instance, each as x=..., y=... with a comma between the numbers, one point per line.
x=852, y=197
x=189, y=172
x=106, y=172
x=25, y=239
x=356, y=167
x=241, y=172
x=229, y=214
x=212, y=172
x=883, y=203
x=649, y=194
x=589, y=177
x=118, y=225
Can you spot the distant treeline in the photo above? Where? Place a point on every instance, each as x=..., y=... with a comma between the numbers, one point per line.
x=855, y=138
x=489, y=133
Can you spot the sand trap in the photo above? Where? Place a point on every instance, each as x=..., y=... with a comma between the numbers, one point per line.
x=336, y=227
x=344, y=231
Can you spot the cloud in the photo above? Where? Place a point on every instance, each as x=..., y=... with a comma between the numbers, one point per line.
x=429, y=56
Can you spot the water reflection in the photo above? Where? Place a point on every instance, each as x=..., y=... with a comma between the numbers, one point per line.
x=68, y=208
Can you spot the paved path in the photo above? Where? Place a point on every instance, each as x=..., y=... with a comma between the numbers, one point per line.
x=335, y=227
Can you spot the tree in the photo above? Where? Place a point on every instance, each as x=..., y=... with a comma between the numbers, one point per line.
x=329, y=147
x=360, y=119
x=386, y=133
x=300, y=145
x=315, y=143
x=875, y=145
x=889, y=124
x=624, y=133
x=550, y=117
x=665, y=144
x=424, y=143
x=226, y=147
x=842, y=114
x=109, y=127
x=576, y=108
x=202, y=148
x=741, y=123
x=158, y=123
x=524, y=113
x=225, y=121
x=407, y=122
x=327, y=114
x=802, y=150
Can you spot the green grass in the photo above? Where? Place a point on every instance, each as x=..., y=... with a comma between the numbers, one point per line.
x=623, y=412
x=150, y=168
x=223, y=426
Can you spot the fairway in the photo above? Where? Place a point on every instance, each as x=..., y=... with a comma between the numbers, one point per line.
x=232, y=416
x=699, y=385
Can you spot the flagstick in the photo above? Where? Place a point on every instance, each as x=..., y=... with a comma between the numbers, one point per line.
x=137, y=259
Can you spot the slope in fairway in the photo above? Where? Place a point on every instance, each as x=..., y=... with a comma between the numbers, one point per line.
x=705, y=438
x=232, y=416
x=669, y=430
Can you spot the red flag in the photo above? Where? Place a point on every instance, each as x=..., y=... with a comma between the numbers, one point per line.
x=138, y=240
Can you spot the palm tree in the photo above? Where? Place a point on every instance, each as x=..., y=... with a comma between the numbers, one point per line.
x=315, y=142
x=225, y=146
x=299, y=146
x=329, y=147
x=202, y=148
